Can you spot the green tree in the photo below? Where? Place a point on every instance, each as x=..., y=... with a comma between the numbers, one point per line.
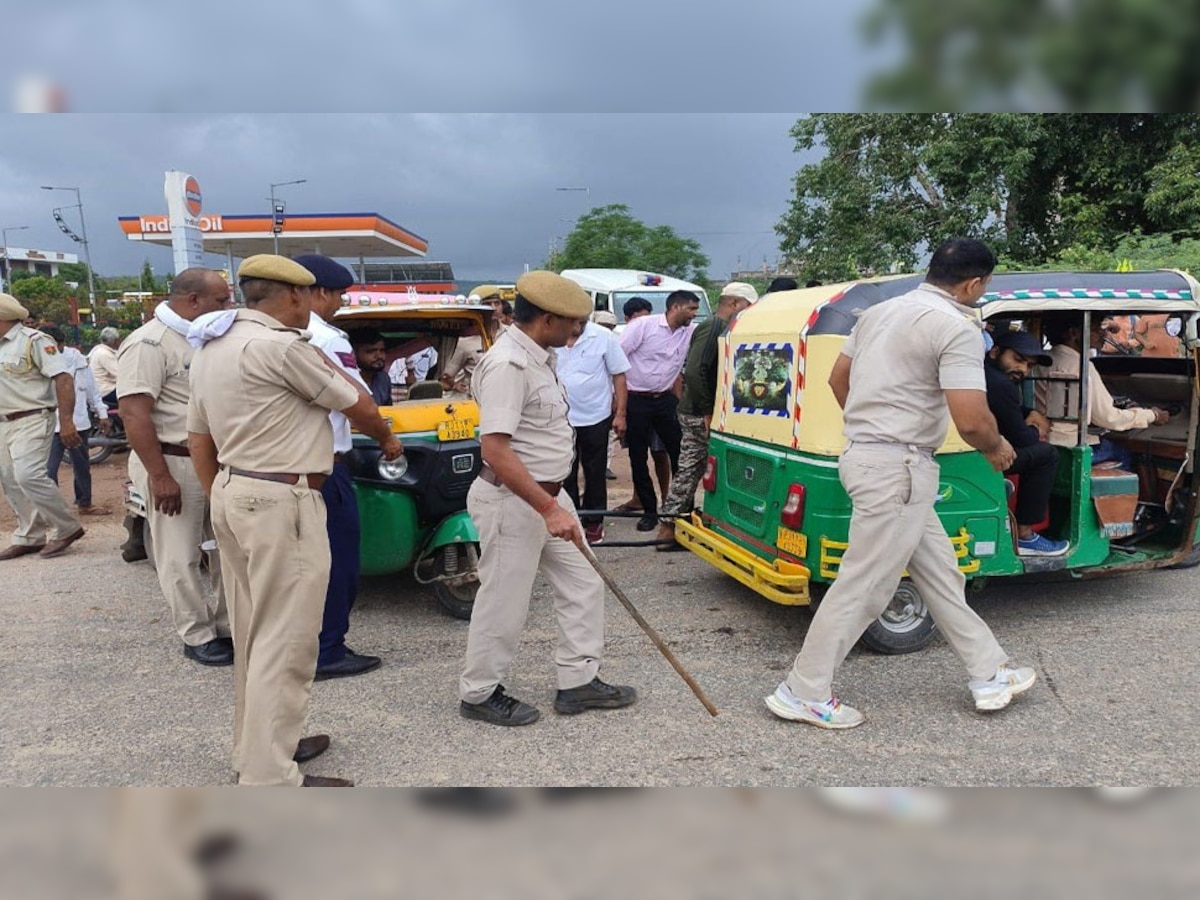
x=45, y=298
x=1086, y=55
x=76, y=272
x=891, y=186
x=609, y=237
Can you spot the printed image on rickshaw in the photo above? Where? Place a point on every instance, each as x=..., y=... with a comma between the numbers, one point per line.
x=762, y=381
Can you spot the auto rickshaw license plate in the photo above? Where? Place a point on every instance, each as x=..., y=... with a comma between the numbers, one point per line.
x=792, y=542
x=456, y=430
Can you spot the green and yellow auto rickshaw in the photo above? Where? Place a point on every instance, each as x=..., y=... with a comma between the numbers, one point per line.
x=412, y=510
x=776, y=518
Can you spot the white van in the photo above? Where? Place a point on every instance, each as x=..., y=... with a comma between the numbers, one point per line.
x=610, y=288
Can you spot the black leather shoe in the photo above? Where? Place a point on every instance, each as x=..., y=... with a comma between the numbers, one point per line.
x=350, y=664
x=593, y=695
x=217, y=652
x=326, y=781
x=647, y=522
x=311, y=747
x=500, y=709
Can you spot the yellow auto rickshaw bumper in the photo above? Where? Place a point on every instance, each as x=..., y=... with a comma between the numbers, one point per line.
x=778, y=581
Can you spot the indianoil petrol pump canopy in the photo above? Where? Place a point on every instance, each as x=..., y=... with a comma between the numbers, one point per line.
x=364, y=235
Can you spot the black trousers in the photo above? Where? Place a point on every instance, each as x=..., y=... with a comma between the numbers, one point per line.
x=1036, y=465
x=591, y=455
x=646, y=416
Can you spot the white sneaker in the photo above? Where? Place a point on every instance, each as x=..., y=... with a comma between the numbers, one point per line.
x=997, y=692
x=832, y=713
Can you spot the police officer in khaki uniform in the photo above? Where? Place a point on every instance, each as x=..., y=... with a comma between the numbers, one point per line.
x=460, y=368
x=262, y=445
x=526, y=521
x=33, y=381
x=910, y=366
x=153, y=391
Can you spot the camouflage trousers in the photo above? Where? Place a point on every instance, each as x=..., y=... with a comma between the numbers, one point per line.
x=693, y=454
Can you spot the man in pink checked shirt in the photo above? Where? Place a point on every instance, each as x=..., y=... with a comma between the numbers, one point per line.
x=656, y=347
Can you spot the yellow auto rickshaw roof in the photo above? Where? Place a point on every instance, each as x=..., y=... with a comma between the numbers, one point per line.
x=833, y=308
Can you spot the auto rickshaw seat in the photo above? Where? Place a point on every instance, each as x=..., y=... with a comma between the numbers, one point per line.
x=426, y=390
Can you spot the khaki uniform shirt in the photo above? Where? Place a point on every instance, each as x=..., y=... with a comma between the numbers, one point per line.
x=29, y=360
x=467, y=353
x=154, y=360
x=519, y=395
x=103, y=360
x=908, y=351
x=264, y=394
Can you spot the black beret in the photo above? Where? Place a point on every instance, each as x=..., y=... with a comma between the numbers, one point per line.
x=329, y=273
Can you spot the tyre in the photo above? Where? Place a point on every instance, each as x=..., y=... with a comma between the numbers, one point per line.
x=1190, y=561
x=905, y=626
x=458, y=600
x=98, y=453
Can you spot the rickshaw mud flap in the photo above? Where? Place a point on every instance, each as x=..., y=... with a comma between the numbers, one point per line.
x=458, y=531
x=784, y=583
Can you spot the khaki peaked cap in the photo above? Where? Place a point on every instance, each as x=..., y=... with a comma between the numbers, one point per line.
x=554, y=294
x=11, y=309
x=270, y=267
x=484, y=292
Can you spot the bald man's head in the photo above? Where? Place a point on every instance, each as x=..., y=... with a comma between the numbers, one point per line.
x=197, y=291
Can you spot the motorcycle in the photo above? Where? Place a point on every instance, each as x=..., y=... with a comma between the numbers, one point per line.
x=102, y=446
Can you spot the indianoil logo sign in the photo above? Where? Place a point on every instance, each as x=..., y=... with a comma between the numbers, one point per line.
x=191, y=195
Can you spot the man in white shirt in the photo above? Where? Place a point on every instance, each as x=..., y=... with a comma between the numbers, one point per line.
x=86, y=394
x=335, y=659
x=592, y=369
x=103, y=360
x=1056, y=399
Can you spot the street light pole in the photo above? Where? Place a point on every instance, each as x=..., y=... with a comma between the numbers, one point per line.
x=8, y=262
x=276, y=228
x=87, y=254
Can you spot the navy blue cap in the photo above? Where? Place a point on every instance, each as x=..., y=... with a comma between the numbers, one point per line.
x=329, y=273
x=1024, y=343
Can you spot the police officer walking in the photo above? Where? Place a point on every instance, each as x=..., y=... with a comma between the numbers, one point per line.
x=526, y=521
x=34, y=379
x=262, y=445
x=909, y=367
x=335, y=659
x=153, y=391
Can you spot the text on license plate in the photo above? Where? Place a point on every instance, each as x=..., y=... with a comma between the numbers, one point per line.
x=792, y=542
x=457, y=430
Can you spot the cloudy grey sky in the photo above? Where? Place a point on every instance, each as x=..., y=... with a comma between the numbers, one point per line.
x=244, y=94
x=479, y=188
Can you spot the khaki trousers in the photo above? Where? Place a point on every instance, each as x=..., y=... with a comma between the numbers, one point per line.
x=893, y=527
x=155, y=832
x=515, y=546
x=177, y=554
x=275, y=567
x=42, y=513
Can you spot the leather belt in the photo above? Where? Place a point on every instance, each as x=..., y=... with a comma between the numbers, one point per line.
x=313, y=480
x=12, y=417
x=174, y=449
x=488, y=474
x=648, y=393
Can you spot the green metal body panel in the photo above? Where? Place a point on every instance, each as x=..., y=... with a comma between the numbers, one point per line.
x=753, y=479
x=391, y=535
x=458, y=528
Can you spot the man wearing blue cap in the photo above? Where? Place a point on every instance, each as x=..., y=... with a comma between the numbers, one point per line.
x=335, y=659
x=1008, y=363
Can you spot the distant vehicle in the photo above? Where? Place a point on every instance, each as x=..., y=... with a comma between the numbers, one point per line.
x=610, y=288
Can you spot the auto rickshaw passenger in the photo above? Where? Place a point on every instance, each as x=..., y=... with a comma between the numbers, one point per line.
x=371, y=354
x=1008, y=364
x=1064, y=331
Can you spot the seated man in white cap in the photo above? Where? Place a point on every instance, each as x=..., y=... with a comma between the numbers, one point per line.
x=696, y=407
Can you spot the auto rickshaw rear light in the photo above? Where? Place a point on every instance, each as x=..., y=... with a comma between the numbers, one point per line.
x=710, y=474
x=792, y=515
x=393, y=469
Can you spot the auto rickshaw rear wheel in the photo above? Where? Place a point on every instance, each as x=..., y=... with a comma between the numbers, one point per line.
x=905, y=626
